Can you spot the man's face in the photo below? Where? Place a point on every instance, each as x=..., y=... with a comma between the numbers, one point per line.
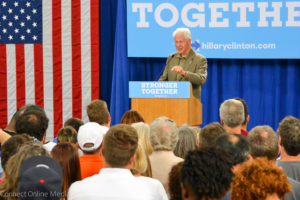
x=182, y=45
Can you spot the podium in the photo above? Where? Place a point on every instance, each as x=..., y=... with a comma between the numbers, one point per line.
x=174, y=100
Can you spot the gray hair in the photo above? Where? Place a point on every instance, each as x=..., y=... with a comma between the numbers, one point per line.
x=163, y=134
x=185, y=32
x=187, y=141
x=232, y=113
x=263, y=142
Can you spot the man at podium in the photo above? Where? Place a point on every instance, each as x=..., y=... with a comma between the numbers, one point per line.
x=185, y=64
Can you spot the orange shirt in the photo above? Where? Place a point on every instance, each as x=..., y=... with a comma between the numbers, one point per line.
x=90, y=165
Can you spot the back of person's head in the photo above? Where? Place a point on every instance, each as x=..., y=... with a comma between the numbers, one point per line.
x=245, y=109
x=131, y=116
x=90, y=137
x=97, y=111
x=66, y=155
x=67, y=134
x=236, y=145
x=232, y=113
x=119, y=145
x=34, y=123
x=209, y=134
x=174, y=182
x=40, y=178
x=74, y=122
x=206, y=174
x=186, y=141
x=140, y=163
x=289, y=132
x=259, y=179
x=11, y=146
x=143, y=131
x=163, y=134
x=14, y=163
x=263, y=142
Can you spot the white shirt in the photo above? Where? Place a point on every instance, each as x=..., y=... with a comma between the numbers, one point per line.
x=113, y=184
x=156, y=185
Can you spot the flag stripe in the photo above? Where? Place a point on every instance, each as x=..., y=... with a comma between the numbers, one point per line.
x=38, y=75
x=95, y=68
x=76, y=58
x=3, y=86
x=66, y=59
x=20, y=70
x=47, y=65
x=86, y=60
x=57, y=65
x=29, y=74
x=11, y=80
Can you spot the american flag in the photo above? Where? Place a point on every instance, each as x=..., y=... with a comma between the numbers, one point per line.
x=49, y=56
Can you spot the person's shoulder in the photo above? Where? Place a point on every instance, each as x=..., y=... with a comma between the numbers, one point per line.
x=172, y=55
x=199, y=56
x=83, y=184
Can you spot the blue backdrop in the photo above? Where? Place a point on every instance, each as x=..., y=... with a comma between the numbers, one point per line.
x=270, y=87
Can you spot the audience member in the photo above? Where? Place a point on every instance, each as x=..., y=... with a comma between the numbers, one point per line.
x=263, y=142
x=9, y=188
x=143, y=131
x=90, y=136
x=206, y=174
x=237, y=146
x=131, y=116
x=115, y=181
x=187, y=141
x=40, y=178
x=67, y=134
x=97, y=111
x=289, y=141
x=66, y=155
x=174, y=182
x=11, y=147
x=232, y=115
x=35, y=124
x=259, y=179
x=210, y=133
x=163, y=137
x=74, y=122
x=246, y=117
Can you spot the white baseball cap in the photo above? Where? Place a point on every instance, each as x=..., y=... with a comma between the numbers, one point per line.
x=92, y=133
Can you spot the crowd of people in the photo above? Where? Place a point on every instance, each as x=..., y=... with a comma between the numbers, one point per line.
x=157, y=161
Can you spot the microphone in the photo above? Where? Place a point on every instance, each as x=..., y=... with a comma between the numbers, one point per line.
x=157, y=77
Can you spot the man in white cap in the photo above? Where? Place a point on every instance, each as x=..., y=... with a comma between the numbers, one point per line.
x=90, y=136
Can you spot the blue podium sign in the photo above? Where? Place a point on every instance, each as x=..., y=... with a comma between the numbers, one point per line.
x=146, y=89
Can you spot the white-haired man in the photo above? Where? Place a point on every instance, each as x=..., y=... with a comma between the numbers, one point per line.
x=185, y=64
x=232, y=115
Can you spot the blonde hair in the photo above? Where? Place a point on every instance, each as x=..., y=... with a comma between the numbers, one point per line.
x=9, y=188
x=143, y=131
x=140, y=163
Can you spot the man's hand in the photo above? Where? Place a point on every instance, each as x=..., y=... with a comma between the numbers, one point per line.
x=178, y=70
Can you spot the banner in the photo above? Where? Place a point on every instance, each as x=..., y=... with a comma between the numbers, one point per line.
x=220, y=28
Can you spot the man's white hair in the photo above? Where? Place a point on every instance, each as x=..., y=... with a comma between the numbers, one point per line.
x=185, y=32
x=232, y=113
